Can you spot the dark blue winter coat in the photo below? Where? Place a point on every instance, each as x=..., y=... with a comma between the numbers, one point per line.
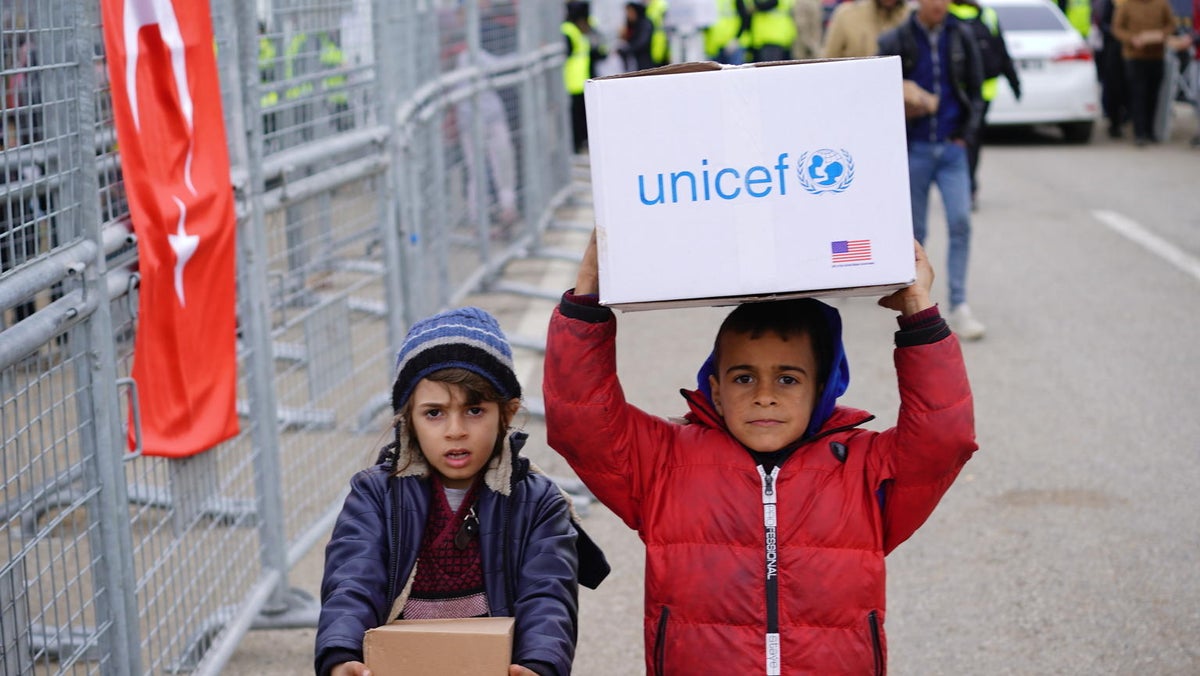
x=531, y=552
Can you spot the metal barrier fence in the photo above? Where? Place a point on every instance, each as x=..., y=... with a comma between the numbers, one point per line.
x=390, y=156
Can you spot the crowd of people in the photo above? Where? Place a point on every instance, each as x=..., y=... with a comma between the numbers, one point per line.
x=1128, y=39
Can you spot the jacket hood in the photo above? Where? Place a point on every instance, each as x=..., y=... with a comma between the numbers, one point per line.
x=838, y=369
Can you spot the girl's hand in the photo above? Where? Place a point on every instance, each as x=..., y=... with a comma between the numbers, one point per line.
x=350, y=669
x=518, y=670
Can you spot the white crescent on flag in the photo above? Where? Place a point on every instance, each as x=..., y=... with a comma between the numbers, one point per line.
x=139, y=14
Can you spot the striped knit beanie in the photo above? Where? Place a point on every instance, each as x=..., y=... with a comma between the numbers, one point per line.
x=466, y=338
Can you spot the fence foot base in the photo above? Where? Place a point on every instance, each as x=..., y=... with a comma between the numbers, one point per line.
x=300, y=610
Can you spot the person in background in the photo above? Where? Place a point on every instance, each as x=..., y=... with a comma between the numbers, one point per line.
x=725, y=39
x=1143, y=27
x=1195, y=70
x=807, y=15
x=996, y=61
x=636, y=35
x=1079, y=15
x=772, y=29
x=1110, y=65
x=854, y=27
x=20, y=214
x=939, y=53
x=451, y=521
x=660, y=43
x=767, y=511
x=585, y=48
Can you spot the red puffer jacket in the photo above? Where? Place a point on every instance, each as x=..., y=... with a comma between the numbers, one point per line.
x=748, y=572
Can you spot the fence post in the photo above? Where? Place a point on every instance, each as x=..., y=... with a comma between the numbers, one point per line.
x=400, y=35
x=97, y=378
x=391, y=83
x=534, y=116
x=254, y=311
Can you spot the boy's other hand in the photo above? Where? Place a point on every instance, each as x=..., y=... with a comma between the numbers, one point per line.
x=518, y=670
x=915, y=297
x=587, y=280
x=350, y=669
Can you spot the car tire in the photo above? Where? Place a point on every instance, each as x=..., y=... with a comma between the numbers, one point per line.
x=1077, y=132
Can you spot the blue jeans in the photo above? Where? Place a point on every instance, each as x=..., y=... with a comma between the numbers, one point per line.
x=946, y=165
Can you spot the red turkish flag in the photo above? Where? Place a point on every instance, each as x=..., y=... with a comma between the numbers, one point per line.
x=167, y=105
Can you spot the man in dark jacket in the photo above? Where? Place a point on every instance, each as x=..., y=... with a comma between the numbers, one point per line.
x=940, y=55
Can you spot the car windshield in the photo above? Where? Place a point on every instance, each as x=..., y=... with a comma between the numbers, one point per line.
x=1028, y=18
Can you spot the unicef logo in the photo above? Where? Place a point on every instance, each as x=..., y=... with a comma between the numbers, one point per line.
x=825, y=170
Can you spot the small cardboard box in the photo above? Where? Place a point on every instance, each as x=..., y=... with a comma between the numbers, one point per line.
x=477, y=646
x=714, y=185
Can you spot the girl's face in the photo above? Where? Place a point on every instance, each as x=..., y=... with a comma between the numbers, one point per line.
x=456, y=438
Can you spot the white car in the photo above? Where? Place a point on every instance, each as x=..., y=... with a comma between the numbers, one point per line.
x=1054, y=63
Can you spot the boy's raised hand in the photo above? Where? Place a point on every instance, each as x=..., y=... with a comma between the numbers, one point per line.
x=915, y=297
x=587, y=279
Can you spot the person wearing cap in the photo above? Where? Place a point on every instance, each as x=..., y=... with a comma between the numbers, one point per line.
x=768, y=509
x=451, y=521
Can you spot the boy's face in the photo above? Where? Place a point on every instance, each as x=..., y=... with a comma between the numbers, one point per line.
x=765, y=388
x=456, y=438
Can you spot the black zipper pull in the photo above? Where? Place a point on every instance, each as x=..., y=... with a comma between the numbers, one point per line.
x=468, y=531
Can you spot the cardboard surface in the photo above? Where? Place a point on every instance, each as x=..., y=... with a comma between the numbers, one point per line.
x=715, y=185
x=477, y=646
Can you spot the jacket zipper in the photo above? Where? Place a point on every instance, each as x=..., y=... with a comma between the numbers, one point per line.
x=660, y=640
x=771, y=553
x=876, y=645
x=393, y=555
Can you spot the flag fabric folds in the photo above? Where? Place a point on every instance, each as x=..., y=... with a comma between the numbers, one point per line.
x=175, y=164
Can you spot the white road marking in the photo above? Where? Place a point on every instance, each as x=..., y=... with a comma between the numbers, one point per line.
x=1156, y=245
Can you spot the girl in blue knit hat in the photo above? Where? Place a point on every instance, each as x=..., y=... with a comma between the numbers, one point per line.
x=452, y=522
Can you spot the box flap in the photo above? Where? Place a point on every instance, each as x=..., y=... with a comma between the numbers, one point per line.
x=707, y=66
x=469, y=625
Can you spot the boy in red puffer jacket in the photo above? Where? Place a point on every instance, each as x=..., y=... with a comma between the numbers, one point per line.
x=768, y=512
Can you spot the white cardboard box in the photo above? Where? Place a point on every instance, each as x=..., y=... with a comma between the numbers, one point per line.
x=715, y=185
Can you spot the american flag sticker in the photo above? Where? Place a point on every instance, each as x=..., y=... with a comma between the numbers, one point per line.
x=851, y=251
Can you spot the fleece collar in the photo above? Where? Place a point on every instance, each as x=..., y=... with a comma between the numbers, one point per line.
x=500, y=473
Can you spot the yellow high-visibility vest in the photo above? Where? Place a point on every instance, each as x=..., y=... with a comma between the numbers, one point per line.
x=579, y=61
x=331, y=58
x=297, y=89
x=723, y=30
x=774, y=27
x=656, y=11
x=266, y=73
x=1079, y=14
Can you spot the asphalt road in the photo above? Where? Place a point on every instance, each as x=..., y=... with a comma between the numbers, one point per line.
x=1070, y=543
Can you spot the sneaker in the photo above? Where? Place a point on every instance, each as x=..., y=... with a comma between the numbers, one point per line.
x=964, y=323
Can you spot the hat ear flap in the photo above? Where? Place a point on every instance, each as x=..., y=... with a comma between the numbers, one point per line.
x=499, y=469
x=409, y=459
